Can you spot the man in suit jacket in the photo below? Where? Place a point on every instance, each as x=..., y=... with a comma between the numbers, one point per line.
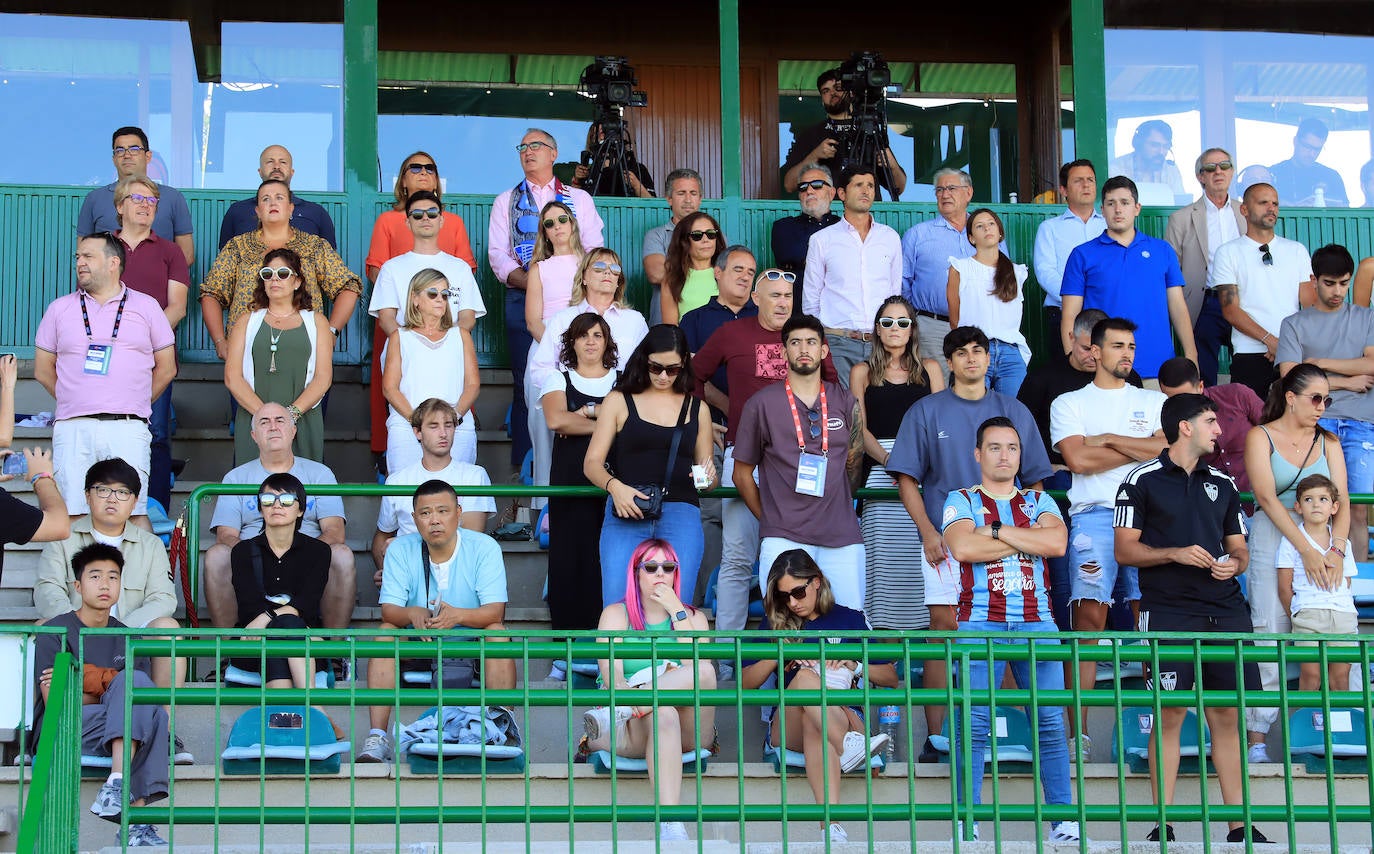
x=1195, y=231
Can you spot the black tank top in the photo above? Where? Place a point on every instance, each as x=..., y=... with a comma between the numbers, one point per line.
x=641, y=449
x=886, y=404
x=568, y=451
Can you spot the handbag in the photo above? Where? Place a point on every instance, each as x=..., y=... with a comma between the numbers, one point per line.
x=652, y=507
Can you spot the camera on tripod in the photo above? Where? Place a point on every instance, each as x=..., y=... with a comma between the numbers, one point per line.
x=611, y=82
x=865, y=76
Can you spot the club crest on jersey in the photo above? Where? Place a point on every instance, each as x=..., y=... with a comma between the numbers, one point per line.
x=1168, y=680
x=1211, y=490
x=1027, y=509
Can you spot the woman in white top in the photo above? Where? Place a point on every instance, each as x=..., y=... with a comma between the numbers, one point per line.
x=557, y=256
x=281, y=354
x=429, y=357
x=986, y=291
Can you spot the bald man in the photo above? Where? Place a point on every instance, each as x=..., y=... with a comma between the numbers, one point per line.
x=275, y=164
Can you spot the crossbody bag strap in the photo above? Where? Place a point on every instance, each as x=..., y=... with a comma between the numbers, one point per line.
x=678, y=430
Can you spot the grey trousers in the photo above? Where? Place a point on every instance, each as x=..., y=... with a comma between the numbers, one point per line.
x=103, y=722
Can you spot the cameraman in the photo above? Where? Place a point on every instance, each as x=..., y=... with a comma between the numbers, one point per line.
x=828, y=142
x=632, y=182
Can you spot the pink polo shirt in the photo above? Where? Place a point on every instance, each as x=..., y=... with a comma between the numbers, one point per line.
x=128, y=387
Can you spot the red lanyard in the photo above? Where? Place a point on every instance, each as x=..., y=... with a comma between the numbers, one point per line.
x=796, y=420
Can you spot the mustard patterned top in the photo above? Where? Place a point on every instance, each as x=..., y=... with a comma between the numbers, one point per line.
x=234, y=275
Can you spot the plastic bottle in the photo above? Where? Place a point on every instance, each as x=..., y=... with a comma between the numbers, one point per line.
x=1319, y=197
x=890, y=724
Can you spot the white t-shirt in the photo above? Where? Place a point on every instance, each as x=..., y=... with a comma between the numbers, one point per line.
x=1268, y=292
x=393, y=284
x=999, y=320
x=1305, y=593
x=595, y=387
x=397, y=513
x=1092, y=411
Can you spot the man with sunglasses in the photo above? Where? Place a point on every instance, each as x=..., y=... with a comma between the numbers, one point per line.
x=792, y=234
x=684, y=199
x=511, y=236
x=242, y=217
x=1259, y=278
x=828, y=143
x=237, y=517
x=851, y=267
x=132, y=156
x=1196, y=232
x=751, y=355
x=1338, y=337
x=391, y=294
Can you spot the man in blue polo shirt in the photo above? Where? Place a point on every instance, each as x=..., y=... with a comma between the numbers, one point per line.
x=1130, y=274
x=275, y=164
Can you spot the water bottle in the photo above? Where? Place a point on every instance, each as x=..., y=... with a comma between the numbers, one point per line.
x=890, y=724
x=1319, y=197
x=1012, y=198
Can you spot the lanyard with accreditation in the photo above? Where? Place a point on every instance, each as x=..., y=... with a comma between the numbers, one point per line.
x=98, y=355
x=811, y=467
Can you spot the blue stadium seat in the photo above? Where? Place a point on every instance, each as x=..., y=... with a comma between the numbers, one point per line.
x=1362, y=587
x=1307, y=739
x=1013, y=745
x=251, y=679
x=709, y=597
x=283, y=740
x=796, y=761
x=424, y=758
x=1133, y=731
x=693, y=761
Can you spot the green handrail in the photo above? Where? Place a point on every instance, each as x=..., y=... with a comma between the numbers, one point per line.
x=50, y=821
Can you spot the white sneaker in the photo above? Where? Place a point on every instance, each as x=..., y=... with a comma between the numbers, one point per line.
x=376, y=748
x=672, y=831
x=837, y=834
x=960, y=835
x=1067, y=831
x=1259, y=753
x=1087, y=743
x=856, y=753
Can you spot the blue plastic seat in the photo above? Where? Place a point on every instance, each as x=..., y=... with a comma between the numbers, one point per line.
x=1013, y=744
x=1133, y=731
x=1307, y=739
x=424, y=757
x=268, y=741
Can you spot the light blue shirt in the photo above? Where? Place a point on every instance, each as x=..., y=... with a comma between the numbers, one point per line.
x=1054, y=240
x=476, y=574
x=927, y=248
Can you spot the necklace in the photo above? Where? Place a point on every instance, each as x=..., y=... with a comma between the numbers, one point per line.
x=289, y=314
x=276, y=336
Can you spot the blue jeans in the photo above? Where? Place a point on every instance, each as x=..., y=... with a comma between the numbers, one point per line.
x=1049, y=676
x=1006, y=368
x=680, y=525
x=1061, y=582
x=518, y=341
x=162, y=425
x=1092, y=560
x=1357, y=443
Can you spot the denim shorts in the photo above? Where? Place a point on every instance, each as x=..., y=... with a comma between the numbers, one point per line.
x=1092, y=559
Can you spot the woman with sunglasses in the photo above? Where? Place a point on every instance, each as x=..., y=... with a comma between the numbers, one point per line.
x=986, y=291
x=688, y=278
x=639, y=420
x=391, y=238
x=798, y=598
x=886, y=385
x=279, y=578
x=234, y=277
x=281, y=354
x=1288, y=445
x=652, y=604
x=429, y=356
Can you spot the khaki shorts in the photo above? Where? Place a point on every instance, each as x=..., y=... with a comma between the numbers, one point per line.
x=1324, y=621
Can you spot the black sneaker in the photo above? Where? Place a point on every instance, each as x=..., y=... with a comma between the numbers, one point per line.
x=1238, y=835
x=929, y=754
x=1153, y=836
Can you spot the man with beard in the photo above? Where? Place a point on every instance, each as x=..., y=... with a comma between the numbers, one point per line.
x=827, y=143
x=1148, y=160
x=815, y=191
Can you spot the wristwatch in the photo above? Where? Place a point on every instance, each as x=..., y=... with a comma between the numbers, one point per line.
x=996, y=530
x=335, y=331
x=680, y=616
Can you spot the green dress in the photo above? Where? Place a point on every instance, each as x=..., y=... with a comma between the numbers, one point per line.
x=284, y=386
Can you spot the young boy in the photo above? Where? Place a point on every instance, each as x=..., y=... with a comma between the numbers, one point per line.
x=98, y=569
x=1316, y=611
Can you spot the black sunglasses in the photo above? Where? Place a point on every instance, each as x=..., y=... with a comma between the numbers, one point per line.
x=561, y=219
x=698, y=236
x=417, y=168
x=812, y=185
x=425, y=213
x=1209, y=168
x=815, y=418
x=669, y=370
x=798, y=592
x=1265, y=255
x=283, y=499
x=1322, y=400
x=666, y=567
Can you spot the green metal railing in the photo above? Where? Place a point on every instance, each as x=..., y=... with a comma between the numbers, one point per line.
x=49, y=816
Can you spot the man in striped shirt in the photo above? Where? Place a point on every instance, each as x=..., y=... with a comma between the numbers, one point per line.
x=1001, y=536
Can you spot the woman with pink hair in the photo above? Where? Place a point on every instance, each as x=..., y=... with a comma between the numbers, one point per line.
x=659, y=734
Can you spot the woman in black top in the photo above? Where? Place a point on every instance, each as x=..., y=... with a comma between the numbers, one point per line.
x=886, y=385
x=640, y=419
x=279, y=577
x=571, y=401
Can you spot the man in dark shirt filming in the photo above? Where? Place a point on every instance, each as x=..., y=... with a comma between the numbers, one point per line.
x=1180, y=522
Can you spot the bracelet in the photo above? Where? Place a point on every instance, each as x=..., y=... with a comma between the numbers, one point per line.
x=295, y=412
x=33, y=481
x=607, y=487
x=1338, y=551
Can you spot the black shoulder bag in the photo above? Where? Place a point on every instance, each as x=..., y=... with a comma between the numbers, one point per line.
x=652, y=507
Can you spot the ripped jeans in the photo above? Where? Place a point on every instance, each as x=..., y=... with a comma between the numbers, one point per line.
x=1092, y=559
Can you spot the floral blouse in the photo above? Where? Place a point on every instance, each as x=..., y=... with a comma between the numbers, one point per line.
x=234, y=275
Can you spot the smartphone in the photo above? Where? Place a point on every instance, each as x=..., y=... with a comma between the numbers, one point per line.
x=14, y=464
x=587, y=159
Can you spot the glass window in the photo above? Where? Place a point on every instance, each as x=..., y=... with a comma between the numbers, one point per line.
x=1293, y=109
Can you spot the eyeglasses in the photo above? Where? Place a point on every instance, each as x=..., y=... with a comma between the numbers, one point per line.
x=946, y=189
x=774, y=275
x=275, y=499
x=606, y=267
x=698, y=236
x=417, y=168
x=651, y=567
x=1322, y=400
x=561, y=219
x=899, y=322
x=812, y=185
x=140, y=199
x=532, y=146
x=1265, y=255
x=267, y=274
x=435, y=293
x=814, y=418
x=798, y=592
x=1209, y=168
x=121, y=150
x=105, y=492
x=426, y=213
x=668, y=370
